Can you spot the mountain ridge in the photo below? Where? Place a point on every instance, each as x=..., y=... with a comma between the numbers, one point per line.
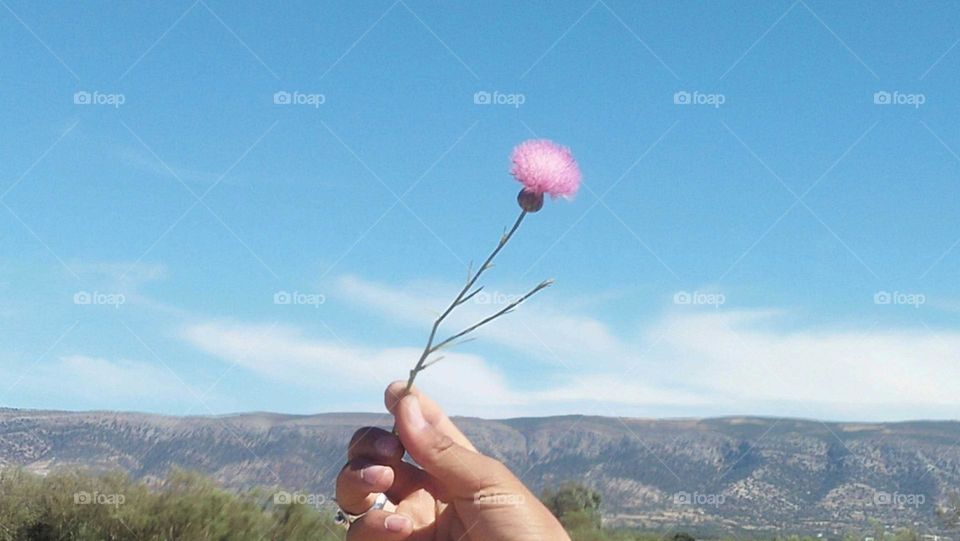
x=727, y=473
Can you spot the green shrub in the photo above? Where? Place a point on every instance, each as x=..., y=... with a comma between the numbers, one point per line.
x=576, y=506
x=70, y=506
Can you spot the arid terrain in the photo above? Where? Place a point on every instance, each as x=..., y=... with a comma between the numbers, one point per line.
x=726, y=473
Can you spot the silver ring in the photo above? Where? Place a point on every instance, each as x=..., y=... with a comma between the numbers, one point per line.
x=346, y=519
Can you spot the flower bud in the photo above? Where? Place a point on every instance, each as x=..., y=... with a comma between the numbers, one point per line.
x=530, y=201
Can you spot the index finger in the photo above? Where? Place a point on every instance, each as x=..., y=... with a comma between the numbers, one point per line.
x=431, y=411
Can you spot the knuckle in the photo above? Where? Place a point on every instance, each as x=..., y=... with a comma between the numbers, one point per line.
x=490, y=476
x=443, y=446
x=362, y=434
x=347, y=473
x=499, y=470
x=342, y=476
x=496, y=474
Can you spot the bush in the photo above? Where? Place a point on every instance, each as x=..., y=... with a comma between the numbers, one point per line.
x=70, y=506
x=576, y=506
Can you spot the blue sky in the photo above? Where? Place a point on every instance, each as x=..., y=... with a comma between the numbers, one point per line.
x=768, y=224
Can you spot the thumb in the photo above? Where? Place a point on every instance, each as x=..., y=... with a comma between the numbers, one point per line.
x=463, y=472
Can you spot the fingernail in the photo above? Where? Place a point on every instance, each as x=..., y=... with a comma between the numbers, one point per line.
x=396, y=523
x=372, y=474
x=416, y=414
x=387, y=445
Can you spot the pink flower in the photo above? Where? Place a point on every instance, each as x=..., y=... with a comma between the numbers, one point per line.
x=544, y=167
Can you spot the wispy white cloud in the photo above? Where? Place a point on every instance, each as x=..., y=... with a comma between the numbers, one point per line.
x=686, y=362
x=122, y=379
x=98, y=383
x=711, y=361
x=742, y=355
x=286, y=355
x=125, y=274
x=465, y=383
x=147, y=163
x=544, y=330
x=129, y=279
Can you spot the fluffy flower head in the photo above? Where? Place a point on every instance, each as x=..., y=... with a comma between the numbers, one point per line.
x=544, y=167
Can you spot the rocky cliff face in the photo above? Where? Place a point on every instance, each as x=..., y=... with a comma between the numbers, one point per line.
x=729, y=473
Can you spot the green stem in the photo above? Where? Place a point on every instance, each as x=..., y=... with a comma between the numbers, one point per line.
x=459, y=299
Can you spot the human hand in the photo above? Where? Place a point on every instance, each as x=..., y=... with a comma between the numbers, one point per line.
x=455, y=494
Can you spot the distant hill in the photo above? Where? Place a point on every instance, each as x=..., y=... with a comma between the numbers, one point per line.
x=740, y=473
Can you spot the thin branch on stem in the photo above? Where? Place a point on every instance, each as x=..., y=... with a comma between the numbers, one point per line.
x=434, y=361
x=506, y=310
x=470, y=296
x=447, y=344
x=462, y=297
